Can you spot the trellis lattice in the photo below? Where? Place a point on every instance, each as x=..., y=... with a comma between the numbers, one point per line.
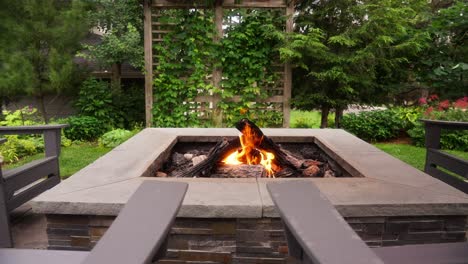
x=205, y=104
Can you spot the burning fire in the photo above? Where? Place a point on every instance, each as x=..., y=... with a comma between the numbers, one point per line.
x=250, y=153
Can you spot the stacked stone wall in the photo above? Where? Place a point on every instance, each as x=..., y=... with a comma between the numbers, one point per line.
x=256, y=240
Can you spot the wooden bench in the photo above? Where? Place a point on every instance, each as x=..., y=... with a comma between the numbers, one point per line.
x=136, y=236
x=316, y=233
x=21, y=184
x=436, y=158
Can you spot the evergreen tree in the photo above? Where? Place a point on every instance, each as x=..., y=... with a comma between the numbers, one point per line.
x=351, y=52
x=41, y=39
x=444, y=67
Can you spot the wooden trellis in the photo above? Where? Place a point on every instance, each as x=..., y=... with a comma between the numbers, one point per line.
x=154, y=32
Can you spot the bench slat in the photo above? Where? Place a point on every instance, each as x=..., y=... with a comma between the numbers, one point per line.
x=19, y=177
x=31, y=191
x=450, y=162
x=318, y=228
x=142, y=226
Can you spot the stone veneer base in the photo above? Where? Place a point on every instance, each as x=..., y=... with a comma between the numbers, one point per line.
x=241, y=240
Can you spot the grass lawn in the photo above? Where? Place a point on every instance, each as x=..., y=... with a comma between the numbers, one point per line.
x=72, y=158
x=308, y=119
x=414, y=156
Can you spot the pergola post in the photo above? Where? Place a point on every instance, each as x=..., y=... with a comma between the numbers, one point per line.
x=288, y=68
x=148, y=63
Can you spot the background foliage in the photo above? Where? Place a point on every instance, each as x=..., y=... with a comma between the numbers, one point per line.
x=38, y=46
x=352, y=52
x=185, y=59
x=188, y=55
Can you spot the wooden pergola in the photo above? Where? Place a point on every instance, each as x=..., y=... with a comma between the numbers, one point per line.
x=152, y=35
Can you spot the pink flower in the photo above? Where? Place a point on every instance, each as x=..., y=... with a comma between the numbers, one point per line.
x=461, y=103
x=433, y=97
x=429, y=111
x=444, y=105
x=422, y=101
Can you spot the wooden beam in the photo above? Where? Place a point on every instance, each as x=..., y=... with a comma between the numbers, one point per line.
x=288, y=70
x=178, y=3
x=225, y=4
x=254, y=4
x=237, y=99
x=148, y=44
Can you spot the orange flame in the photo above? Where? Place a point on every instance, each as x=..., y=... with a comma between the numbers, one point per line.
x=250, y=153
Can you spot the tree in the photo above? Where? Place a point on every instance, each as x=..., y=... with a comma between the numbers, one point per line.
x=444, y=67
x=122, y=24
x=350, y=51
x=37, y=54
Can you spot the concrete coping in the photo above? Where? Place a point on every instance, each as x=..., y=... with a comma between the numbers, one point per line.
x=384, y=186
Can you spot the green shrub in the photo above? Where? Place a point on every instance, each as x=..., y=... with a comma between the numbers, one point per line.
x=131, y=103
x=86, y=128
x=115, y=137
x=374, y=125
x=450, y=139
x=26, y=116
x=123, y=110
x=95, y=99
x=16, y=147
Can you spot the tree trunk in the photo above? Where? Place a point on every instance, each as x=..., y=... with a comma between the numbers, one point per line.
x=338, y=116
x=116, y=78
x=324, y=120
x=42, y=108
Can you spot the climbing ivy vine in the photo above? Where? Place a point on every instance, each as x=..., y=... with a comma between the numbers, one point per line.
x=185, y=59
x=249, y=51
x=187, y=56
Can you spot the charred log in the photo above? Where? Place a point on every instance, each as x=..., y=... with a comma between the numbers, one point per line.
x=240, y=171
x=205, y=167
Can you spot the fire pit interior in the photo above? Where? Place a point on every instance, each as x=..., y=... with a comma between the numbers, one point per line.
x=251, y=155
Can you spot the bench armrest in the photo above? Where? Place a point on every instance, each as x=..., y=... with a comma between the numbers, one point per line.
x=315, y=231
x=141, y=228
x=52, y=135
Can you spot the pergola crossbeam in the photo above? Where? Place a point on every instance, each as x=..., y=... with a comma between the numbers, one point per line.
x=225, y=4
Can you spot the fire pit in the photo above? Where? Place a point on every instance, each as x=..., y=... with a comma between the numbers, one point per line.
x=233, y=220
x=253, y=154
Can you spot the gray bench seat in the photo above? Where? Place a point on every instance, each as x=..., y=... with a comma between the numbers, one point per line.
x=136, y=236
x=427, y=253
x=317, y=233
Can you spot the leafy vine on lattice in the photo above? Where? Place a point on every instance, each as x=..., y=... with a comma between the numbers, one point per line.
x=187, y=56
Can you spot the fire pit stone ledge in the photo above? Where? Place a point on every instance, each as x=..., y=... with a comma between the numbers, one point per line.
x=383, y=187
